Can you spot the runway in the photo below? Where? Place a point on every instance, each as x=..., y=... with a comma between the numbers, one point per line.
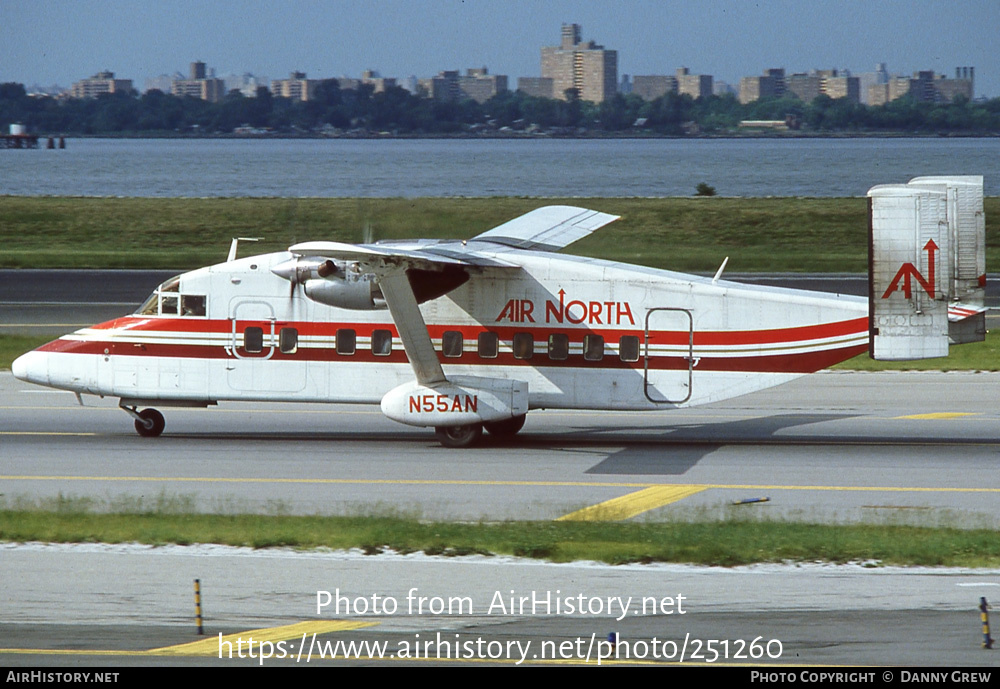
x=833, y=447
x=918, y=448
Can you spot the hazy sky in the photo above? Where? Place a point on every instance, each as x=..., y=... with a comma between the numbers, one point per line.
x=61, y=41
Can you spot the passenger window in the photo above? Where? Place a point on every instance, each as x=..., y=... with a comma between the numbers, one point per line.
x=489, y=344
x=381, y=342
x=193, y=305
x=558, y=347
x=452, y=344
x=288, y=340
x=346, y=341
x=593, y=347
x=628, y=348
x=524, y=345
x=253, y=340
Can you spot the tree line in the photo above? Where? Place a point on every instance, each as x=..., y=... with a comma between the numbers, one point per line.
x=398, y=111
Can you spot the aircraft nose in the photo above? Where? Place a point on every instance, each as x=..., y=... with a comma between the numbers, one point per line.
x=31, y=367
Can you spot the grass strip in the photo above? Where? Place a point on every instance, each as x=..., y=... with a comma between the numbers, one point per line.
x=686, y=234
x=735, y=541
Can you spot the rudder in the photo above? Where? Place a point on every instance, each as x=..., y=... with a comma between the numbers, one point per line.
x=927, y=272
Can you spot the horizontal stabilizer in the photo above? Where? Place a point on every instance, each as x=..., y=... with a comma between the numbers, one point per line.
x=547, y=229
x=960, y=312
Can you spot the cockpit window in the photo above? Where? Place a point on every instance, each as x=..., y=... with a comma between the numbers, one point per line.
x=167, y=301
x=193, y=305
x=149, y=306
x=168, y=304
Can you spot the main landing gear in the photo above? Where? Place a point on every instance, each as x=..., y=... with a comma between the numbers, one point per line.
x=469, y=435
x=149, y=423
x=459, y=436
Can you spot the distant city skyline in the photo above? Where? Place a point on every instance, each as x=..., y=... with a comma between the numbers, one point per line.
x=47, y=42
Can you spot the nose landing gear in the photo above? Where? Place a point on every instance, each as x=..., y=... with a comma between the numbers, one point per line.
x=149, y=423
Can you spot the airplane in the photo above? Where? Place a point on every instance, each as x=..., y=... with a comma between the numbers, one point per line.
x=470, y=335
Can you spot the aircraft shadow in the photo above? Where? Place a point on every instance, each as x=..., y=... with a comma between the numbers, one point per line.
x=679, y=448
x=668, y=451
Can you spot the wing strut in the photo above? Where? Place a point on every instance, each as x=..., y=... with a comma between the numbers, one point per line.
x=411, y=327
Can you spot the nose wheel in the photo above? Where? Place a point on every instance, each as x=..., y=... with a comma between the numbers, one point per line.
x=149, y=423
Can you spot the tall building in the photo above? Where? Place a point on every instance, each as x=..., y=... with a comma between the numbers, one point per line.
x=804, y=86
x=102, y=82
x=842, y=86
x=371, y=78
x=479, y=85
x=587, y=68
x=868, y=79
x=653, y=86
x=199, y=85
x=295, y=87
x=924, y=86
x=442, y=87
x=770, y=85
x=694, y=85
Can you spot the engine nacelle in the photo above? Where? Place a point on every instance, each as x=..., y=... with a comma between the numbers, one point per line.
x=301, y=268
x=461, y=401
x=346, y=290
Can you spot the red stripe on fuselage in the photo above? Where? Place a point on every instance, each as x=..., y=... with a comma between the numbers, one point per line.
x=796, y=334
x=804, y=362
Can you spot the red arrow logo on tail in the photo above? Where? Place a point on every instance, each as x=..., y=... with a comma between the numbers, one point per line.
x=908, y=272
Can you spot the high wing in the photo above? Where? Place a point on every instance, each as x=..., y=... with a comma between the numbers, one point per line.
x=374, y=255
x=544, y=229
x=396, y=265
x=547, y=229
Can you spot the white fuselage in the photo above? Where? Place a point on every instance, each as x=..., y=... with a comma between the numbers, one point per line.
x=582, y=333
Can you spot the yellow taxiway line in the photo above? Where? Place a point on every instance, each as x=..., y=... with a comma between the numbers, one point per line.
x=633, y=504
x=212, y=646
x=939, y=415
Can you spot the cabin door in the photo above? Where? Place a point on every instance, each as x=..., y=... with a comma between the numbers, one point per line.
x=669, y=355
x=251, y=344
x=259, y=361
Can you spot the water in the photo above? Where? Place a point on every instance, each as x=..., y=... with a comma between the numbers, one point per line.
x=492, y=167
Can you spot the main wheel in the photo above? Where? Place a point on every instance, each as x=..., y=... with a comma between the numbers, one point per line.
x=150, y=423
x=506, y=428
x=459, y=436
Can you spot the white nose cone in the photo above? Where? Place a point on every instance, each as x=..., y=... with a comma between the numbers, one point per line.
x=31, y=367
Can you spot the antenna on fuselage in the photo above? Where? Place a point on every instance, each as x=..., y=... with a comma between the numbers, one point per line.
x=236, y=243
x=718, y=273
